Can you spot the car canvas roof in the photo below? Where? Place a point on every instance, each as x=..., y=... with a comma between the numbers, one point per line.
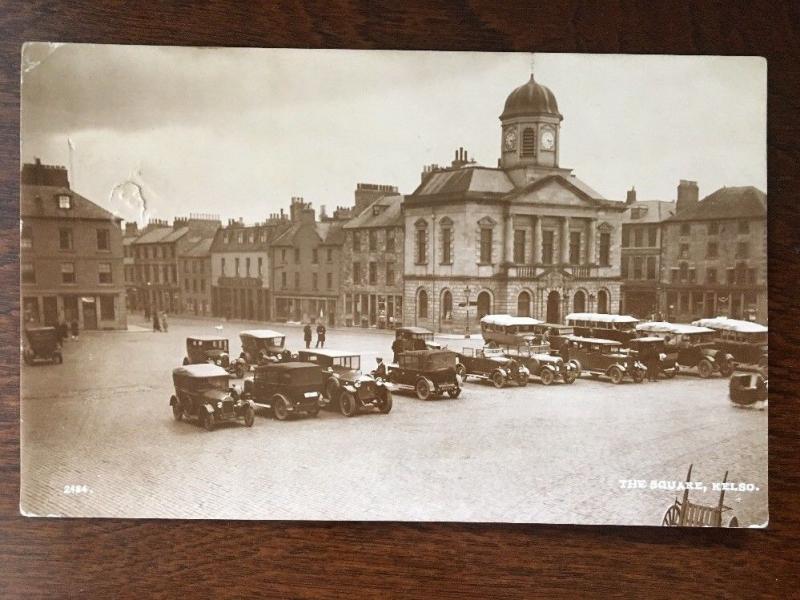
x=414, y=329
x=261, y=333
x=674, y=328
x=731, y=325
x=426, y=352
x=602, y=318
x=201, y=370
x=206, y=337
x=330, y=352
x=649, y=338
x=287, y=366
x=588, y=340
x=509, y=320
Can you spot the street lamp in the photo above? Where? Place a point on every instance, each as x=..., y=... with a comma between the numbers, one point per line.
x=466, y=321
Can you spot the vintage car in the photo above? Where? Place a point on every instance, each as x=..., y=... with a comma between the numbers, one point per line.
x=505, y=330
x=543, y=365
x=691, y=347
x=748, y=389
x=203, y=391
x=430, y=373
x=212, y=349
x=491, y=364
x=286, y=389
x=345, y=385
x=416, y=338
x=261, y=346
x=598, y=357
x=621, y=328
x=744, y=340
x=644, y=347
x=42, y=344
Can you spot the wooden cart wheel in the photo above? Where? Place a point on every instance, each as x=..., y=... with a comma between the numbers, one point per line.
x=671, y=517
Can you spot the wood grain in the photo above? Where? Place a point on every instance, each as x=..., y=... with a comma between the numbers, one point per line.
x=125, y=558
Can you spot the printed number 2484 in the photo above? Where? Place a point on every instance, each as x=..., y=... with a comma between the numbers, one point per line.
x=76, y=489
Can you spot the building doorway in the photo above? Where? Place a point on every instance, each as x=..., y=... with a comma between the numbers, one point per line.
x=579, y=302
x=89, y=307
x=50, y=310
x=602, y=302
x=524, y=304
x=554, y=307
x=484, y=304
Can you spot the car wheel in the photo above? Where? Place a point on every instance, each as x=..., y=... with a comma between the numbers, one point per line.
x=726, y=369
x=280, y=407
x=185, y=361
x=385, y=405
x=546, y=375
x=454, y=393
x=421, y=387
x=461, y=371
x=498, y=379
x=249, y=415
x=638, y=375
x=705, y=369
x=347, y=404
x=570, y=376
x=522, y=380
x=615, y=373
x=177, y=411
x=207, y=419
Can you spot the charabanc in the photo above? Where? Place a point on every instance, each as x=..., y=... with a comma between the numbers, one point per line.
x=262, y=346
x=505, y=330
x=212, y=349
x=744, y=340
x=345, y=385
x=620, y=328
x=203, y=392
x=748, y=390
x=42, y=344
x=689, y=514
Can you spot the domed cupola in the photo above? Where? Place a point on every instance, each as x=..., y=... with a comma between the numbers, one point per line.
x=530, y=128
x=530, y=99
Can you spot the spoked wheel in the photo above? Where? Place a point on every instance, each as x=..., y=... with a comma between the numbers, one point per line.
x=522, y=380
x=671, y=517
x=615, y=373
x=385, y=405
x=638, y=375
x=177, y=411
x=726, y=369
x=498, y=379
x=570, y=376
x=207, y=419
x=280, y=407
x=546, y=375
x=454, y=393
x=249, y=416
x=705, y=369
x=461, y=371
x=422, y=389
x=347, y=404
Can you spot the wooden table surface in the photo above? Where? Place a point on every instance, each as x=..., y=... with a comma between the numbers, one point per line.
x=126, y=558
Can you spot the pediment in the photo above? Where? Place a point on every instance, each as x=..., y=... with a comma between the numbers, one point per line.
x=553, y=190
x=487, y=221
x=554, y=277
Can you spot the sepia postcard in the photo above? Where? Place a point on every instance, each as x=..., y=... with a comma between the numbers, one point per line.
x=394, y=286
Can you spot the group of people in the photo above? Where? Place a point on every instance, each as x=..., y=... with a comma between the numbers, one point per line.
x=160, y=321
x=67, y=331
x=307, y=335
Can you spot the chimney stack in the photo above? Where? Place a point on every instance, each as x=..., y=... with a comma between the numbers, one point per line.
x=688, y=195
x=631, y=196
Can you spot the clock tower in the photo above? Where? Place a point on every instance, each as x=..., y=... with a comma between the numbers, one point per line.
x=530, y=132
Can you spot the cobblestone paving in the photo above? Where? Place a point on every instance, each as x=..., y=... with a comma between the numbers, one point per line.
x=537, y=454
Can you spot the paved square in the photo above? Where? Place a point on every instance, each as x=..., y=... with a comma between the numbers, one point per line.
x=98, y=439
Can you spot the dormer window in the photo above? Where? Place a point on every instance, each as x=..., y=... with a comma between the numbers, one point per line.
x=64, y=201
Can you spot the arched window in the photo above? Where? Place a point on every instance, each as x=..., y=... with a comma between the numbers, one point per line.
x=528, y=148
x=447, y=306
x=422, y=304
x=579, y=302
x=524, y=304
x=602, y=301
x=484, y=304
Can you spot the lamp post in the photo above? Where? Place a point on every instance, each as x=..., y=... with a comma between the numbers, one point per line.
x=466, y=304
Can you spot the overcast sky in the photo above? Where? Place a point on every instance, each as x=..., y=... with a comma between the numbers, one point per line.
x=238, y=132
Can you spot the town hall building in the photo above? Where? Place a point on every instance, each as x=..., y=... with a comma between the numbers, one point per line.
x=526, y=238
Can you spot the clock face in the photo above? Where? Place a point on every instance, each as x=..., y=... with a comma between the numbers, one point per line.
x=548, y=139
x=510, y=140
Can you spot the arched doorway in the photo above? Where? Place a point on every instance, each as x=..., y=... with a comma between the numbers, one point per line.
x=422, y=304
x=553, y=307
x=602, y=301
x=524, y=304
x=484, y=304
x=447, y=306
x=579, y=302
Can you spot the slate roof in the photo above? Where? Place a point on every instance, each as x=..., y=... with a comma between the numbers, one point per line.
x=391, y=214
x=47, y=204
x=329, y=233
x=470, y=180
x=656, y=211
x=201, y=249
x=155, y=235
x=727, y=203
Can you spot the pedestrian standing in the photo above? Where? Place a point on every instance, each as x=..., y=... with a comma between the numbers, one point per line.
x=156, y=322
x=164, y=321
x=74, y=326
x=652, y=363
x=320, y=336
x=307, y=335
x=397, y=349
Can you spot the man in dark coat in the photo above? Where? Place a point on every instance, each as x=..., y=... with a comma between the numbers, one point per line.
x=398, y=346
x=320, y=336
x=380, y=370
x=307, y=335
